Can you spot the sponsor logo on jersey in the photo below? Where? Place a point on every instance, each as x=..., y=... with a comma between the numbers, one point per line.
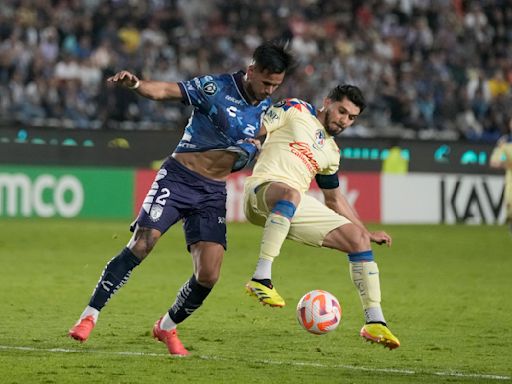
x=279, y=104
x=303, y=152
x=270, y=114
x=233, y=99
x=210, y=88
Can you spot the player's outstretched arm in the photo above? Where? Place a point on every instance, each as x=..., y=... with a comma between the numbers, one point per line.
x=335, y=200
x=155, y=90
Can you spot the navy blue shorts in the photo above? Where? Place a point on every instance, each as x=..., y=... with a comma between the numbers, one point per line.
x=179, y=193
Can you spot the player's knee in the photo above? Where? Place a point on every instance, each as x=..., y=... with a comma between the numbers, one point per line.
x=358, y=241
x=207, y=278
x=143, y=242
x=291, y=195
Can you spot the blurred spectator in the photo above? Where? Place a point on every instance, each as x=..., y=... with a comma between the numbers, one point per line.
x=428, y=68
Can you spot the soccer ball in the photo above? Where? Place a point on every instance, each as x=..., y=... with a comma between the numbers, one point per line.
x=319, y=312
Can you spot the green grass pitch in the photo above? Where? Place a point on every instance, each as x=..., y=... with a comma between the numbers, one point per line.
x=446, y=295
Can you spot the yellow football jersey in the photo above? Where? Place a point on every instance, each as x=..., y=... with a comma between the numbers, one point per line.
x=297, y=146
x=503, y=153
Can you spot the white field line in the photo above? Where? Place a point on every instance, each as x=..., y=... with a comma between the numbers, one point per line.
x=270, y=362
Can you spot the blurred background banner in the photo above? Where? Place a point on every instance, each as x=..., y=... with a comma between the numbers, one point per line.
x=29, y=191
x=139, y=148
x=104, y=192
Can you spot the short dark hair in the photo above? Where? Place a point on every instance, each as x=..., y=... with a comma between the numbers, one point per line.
x=351, y=92
x=274, y=57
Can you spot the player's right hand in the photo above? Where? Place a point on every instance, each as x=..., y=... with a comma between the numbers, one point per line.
x=381, y=237
x=124, y=78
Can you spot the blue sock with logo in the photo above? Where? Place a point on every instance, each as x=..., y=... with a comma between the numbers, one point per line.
x=189, y=298
x=114, y=276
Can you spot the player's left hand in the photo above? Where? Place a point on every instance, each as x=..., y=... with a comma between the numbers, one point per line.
x=381, y=237
x=254, y=142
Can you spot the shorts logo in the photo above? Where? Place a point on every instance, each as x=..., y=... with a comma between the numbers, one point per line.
x=210, y=88
x=156, y=212
x=221, y=220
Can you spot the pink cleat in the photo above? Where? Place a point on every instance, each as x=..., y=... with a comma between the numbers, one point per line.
x=169, y=338
x=82, y=329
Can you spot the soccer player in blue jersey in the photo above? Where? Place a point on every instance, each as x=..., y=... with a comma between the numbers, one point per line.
x=191, y=184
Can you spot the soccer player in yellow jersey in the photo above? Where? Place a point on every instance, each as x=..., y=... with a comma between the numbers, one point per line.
x=300, y=146
x=501, y=157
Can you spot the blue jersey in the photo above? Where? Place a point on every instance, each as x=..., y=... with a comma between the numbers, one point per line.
x=222, y=115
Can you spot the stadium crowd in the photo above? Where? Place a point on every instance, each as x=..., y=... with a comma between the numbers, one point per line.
x=429, y=68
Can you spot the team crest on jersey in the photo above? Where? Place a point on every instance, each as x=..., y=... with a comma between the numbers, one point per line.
x=319, y=138
x=156, y=212
x=210, y=88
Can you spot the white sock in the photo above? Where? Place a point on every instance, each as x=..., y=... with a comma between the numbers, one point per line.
x=167, y=324
x=374, y=314
x=263, y=269
x=90, y=311
x=365, y=276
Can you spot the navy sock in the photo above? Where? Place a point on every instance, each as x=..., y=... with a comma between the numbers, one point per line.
x=189, y=298
x=114, y=276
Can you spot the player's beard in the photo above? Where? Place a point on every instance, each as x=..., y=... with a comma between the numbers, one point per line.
x=252, y=95
x=327, y=125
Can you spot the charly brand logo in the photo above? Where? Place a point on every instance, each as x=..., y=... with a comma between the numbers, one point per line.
x=45, y=196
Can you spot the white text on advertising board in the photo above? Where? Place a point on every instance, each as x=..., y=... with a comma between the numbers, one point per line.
x=21, y=196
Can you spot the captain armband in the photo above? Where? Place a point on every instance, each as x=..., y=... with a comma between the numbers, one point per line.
x=327, y=181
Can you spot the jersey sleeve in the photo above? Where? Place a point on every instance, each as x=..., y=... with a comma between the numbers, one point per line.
x=275, y=118
x=197, y=90
x=332, y=170
x=334, y=164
